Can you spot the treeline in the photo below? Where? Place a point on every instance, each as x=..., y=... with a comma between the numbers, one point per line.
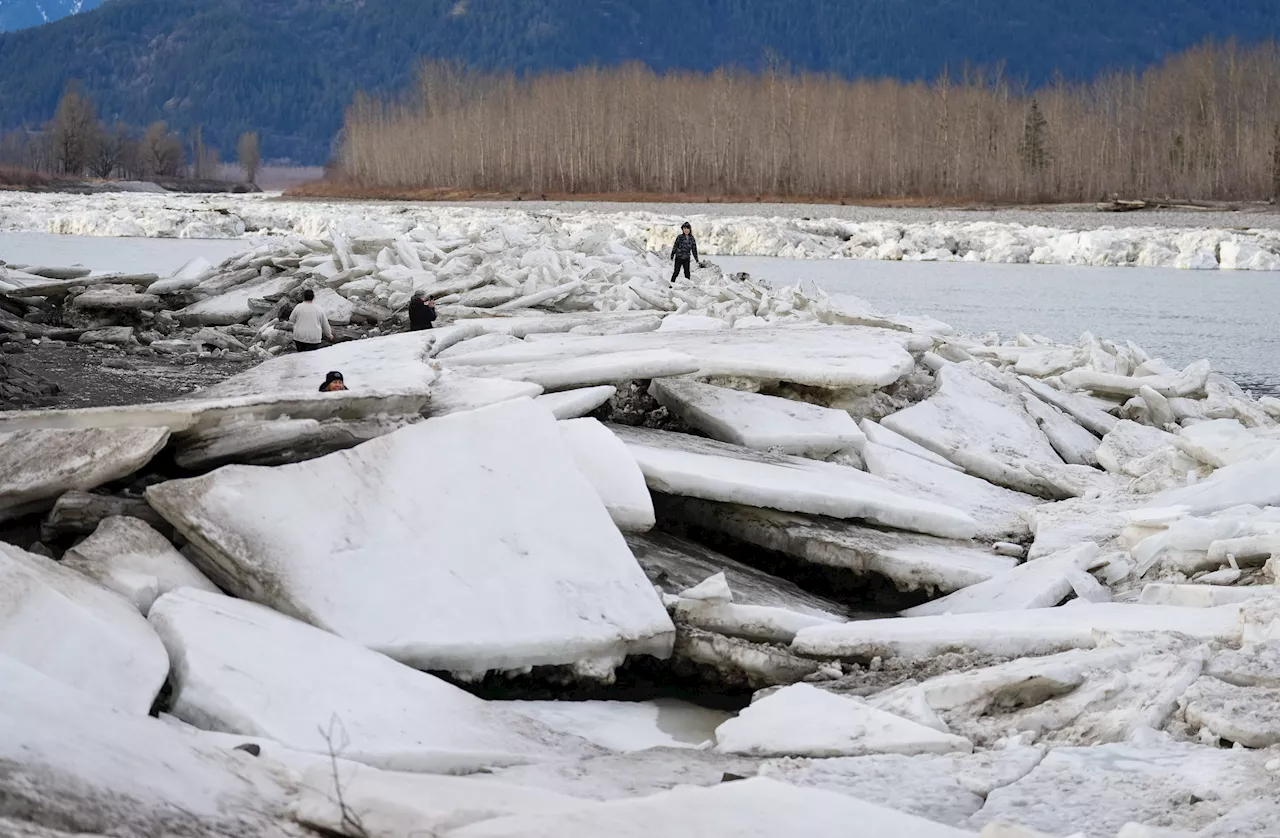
x=76, y=144
x=288, y=68
x=1204, y=124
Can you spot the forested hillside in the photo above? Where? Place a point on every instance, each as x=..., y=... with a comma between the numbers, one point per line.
x=288, y=68
x=20, y=14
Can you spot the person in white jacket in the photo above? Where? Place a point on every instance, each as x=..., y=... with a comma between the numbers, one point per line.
x=310, y=326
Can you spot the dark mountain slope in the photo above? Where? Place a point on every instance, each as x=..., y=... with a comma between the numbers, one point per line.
x=289, y=67
x=20, y=14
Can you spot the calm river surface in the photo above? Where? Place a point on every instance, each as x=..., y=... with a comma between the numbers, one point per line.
x=1181, y=316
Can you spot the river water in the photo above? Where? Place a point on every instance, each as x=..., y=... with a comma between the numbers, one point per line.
x=1228, y=317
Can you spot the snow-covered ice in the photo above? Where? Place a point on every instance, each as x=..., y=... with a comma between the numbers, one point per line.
x=572, y=404
x=996, y=510
x=1039, y=583
x=1112, y=785
x=129, y=557
x=315, y=692
x=77, y=632
x=742, y=230
x=755, y=808
x=38, y=465
x=757, y=421
x=983, y=429
x=680, y=464
x=831, y=357
x=466, y=543
x=80, y=767
x=390, y=804
x=613, y=472
x=1012, y=633
x=946, y=789
x=626, y=725
x=804, y=721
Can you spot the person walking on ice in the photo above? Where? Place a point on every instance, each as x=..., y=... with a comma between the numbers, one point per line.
x=310, y=326
x=686, y=245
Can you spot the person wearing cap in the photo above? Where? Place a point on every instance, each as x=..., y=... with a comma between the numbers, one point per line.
x=333, y=383
x=686, y=245
x=310, y=326
x=422, y=311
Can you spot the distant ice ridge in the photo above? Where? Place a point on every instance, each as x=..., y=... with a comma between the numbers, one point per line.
x=224, y=216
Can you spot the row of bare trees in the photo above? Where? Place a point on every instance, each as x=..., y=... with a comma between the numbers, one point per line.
x=76, y=143
x=1204, y=124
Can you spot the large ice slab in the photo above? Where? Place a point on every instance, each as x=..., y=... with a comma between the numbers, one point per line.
x=679, y=464
x=981, y=428
x=36, y=466
x=1039, y=583
x=757, y=421
x=753, y=808
x=1127, y=443
x=910, y=562
x=466, y=543
x=585, y=371
x=1079, y=408
x=1011, y=633
x=1074, y=444
x=79, y=767
x=129, y=557
x=608, y=464
x=1252, y=483
x=880, y=435
x=232, y=306
x=397, y=362
x=996, y=510
x=804, y=721
x=833, y=357
x=242, y=668
x=78, y=633
x=1248, y=715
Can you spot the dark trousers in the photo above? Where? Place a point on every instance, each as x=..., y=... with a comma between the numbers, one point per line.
x=681, y=262
x=305, y=347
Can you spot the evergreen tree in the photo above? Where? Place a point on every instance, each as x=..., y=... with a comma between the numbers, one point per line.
x=1033, y=150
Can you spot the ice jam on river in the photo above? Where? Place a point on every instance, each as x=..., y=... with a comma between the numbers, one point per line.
x=909, y=581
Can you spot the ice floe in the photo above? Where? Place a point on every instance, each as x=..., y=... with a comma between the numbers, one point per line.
x=804, y=721
x=374, y=711
x=680, y=464
x=78, y=633
x=426, y=529
x=132, y=559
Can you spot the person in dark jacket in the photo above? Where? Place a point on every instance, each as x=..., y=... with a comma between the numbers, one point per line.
x=422, y=312
x=686, y=245
x=333, y=383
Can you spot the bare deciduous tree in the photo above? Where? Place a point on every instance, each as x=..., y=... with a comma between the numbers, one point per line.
x=1201, y=125
x=74, y=131
x=250, y=156
x=161, y=151
x=109, y=150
